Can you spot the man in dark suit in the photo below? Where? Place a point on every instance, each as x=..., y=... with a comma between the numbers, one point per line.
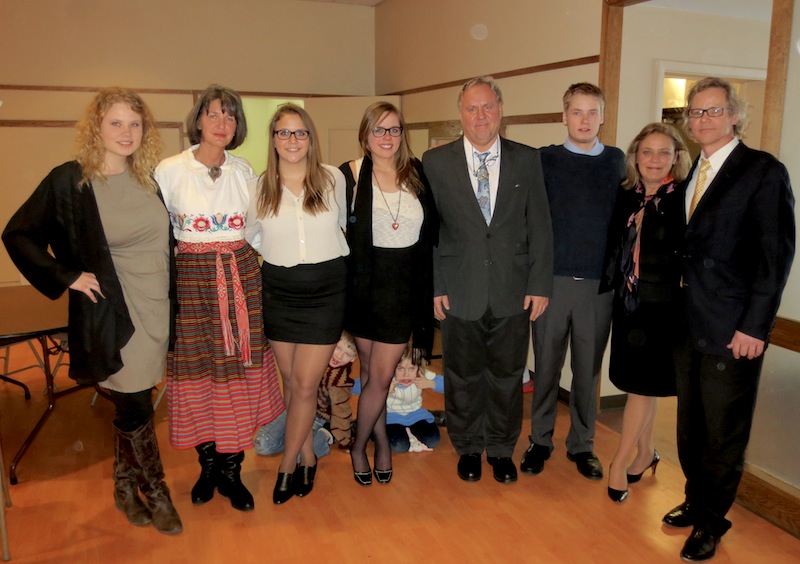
x=493, y=270
x=739, y=245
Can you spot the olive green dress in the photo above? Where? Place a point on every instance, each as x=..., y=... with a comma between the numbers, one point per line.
x=136, y=227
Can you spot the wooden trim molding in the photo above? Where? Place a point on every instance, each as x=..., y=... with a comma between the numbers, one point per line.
x=780, y=39
x=786, y=334
x=504, y=74
x=770, y=502
x=194, y=93
x=73, y=123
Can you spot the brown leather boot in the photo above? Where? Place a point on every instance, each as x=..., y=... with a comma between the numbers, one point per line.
x=141, y=451
x=126, y=489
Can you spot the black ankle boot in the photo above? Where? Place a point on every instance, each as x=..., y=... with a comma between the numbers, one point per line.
x=229, y=481
x=203, y=489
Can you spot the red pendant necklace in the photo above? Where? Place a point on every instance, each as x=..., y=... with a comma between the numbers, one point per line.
x=396, y=216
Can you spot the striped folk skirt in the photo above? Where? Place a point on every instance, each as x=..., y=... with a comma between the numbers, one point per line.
x=222, y=380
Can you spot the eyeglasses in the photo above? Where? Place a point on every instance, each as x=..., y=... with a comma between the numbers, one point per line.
x=712, y=112
x=381, y=131
x=285, y=134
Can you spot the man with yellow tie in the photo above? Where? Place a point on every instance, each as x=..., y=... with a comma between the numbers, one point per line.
x=738, y=249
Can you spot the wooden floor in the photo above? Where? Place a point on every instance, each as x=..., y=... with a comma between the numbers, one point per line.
x=63, y=509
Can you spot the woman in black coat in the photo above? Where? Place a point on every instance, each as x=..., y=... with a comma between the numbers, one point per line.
x=390, y=230
x=103, y=217
x=643, y=269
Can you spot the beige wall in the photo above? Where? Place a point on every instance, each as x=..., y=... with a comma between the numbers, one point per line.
x=424, y=42
x=652, y=34
x=250, y=45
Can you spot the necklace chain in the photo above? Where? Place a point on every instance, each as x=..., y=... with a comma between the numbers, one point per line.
x=395, y=217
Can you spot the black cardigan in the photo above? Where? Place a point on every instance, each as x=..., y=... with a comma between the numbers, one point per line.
x=65, y=218
x=359, y=238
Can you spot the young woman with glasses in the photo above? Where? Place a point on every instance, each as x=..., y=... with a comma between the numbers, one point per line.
x=296, y=221
x=391, y=226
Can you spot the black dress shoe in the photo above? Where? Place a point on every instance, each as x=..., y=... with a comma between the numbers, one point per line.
x=588, y=464
x=701, y=545
x=533, y=460
x=504, y=470
x=283, y=488
x=469, y=467
x=633, y=478
x=680, y=516
x=303, y=480
x=383, y=476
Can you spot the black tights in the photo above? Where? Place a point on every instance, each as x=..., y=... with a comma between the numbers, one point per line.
x=133, y=410
x=378, y=362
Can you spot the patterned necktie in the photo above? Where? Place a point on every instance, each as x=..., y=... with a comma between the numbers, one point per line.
x=700, y=187
x=483, y=187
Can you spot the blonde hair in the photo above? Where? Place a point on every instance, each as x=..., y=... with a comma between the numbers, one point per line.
x=679, y=170
x=407, y=174
x=317, y=180
x=587, y=89
x=348, y=340
x=91, y=151
x=734, y=106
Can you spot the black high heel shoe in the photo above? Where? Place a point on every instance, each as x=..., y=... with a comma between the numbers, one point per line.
x=283, y=488
x=617, y=495
x=361, y=478
x=303, y=479
x=383, y=476
x=633, y=478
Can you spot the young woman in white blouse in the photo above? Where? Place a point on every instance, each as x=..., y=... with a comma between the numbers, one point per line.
x=391, y=228
x=299, y=204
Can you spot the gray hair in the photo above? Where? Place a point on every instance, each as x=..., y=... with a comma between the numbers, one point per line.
x=477, y=81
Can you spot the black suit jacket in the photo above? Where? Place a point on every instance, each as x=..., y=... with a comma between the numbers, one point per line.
x=495, y=266
x=738, y=249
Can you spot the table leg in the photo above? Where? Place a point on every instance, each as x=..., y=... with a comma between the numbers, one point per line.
x=4, y=502
x=51, y=404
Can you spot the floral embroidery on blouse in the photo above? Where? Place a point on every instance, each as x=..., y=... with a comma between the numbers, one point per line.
x=211, y=223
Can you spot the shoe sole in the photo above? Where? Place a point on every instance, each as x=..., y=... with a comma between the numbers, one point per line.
x=531, y=472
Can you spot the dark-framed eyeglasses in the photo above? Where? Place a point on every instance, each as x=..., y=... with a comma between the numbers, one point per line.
x=381, y=131
x=712, y=112
x=285, y=134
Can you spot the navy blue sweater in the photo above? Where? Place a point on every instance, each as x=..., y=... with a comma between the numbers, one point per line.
x=581, y=190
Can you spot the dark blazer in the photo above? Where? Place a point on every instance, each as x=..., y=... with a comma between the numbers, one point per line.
x=495, y=266
x=359, y=238
x=738, y=250
x=65, y=218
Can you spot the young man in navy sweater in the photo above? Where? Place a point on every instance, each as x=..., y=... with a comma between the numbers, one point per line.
x=582, y=177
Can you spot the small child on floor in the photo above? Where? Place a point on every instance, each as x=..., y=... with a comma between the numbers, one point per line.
x=410, y=427
x=335, y=391
x=332, y=422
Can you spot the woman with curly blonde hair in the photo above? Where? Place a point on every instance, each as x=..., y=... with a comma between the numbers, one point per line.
x=108, y=229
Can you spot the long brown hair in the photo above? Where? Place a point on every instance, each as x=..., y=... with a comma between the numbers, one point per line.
x=91, y=151
x=407, y=174
x=317, y=181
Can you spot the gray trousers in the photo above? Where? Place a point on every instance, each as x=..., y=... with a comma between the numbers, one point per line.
x=578, y=316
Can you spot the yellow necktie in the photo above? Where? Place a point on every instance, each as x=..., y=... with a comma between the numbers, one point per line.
x=700, y=187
